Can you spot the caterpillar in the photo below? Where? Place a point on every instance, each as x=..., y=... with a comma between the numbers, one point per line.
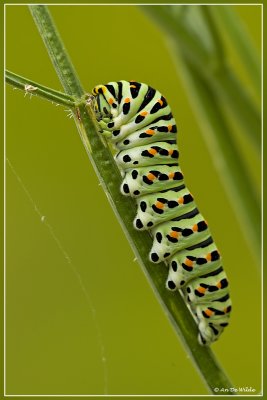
x=138, y=121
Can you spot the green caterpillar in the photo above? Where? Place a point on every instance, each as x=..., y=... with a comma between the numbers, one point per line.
x=138, y=120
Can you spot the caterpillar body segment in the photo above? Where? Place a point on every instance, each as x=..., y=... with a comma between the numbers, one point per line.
x=187, y=265
x=149, y=179
x=159, y=207
x=174, y=236
x=162, y=153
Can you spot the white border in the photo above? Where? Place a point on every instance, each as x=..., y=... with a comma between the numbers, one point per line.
x=4, y=161
x=135, y=4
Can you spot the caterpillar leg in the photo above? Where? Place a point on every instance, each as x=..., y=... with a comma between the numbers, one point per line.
x=212, y=321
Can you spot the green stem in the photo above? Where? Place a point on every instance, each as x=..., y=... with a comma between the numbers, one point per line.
x=225, y=17
x=203, y=50
x=125, y=207
x=171, y=19
x=63, y=65
x=36, y=89
x=216, y=39
x=229, y=90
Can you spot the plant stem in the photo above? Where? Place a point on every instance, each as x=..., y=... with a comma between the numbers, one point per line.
x=63, y=65
x=204, y=51
x=225, y=17
x=125, y=207
x=171, y=18
x=230, y=91
x=36, y=89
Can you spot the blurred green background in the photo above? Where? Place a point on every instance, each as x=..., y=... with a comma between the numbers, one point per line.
x=60, y=315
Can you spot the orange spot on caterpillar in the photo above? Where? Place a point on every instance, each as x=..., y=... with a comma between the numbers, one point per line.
x=143, y=113
x=133, y=86
x=152, y=151
x=150, y=132
x=201, y=289
x=208, y=257
x=160, y=102
x=127, y=100
x=169, y=128
x=180, y=200
x=170, y=152
x=174, y=234
x=188, y=263
x=171, y=175
x=208, y=312
x=159, y=204
x=151, y=177
x=219, y=285
x=195, y=228
x=111, y=101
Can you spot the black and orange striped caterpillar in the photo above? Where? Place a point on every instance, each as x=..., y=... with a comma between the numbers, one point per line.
x=138, y=120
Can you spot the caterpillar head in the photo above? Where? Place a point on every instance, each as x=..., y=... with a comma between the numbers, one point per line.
x=107, y=106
